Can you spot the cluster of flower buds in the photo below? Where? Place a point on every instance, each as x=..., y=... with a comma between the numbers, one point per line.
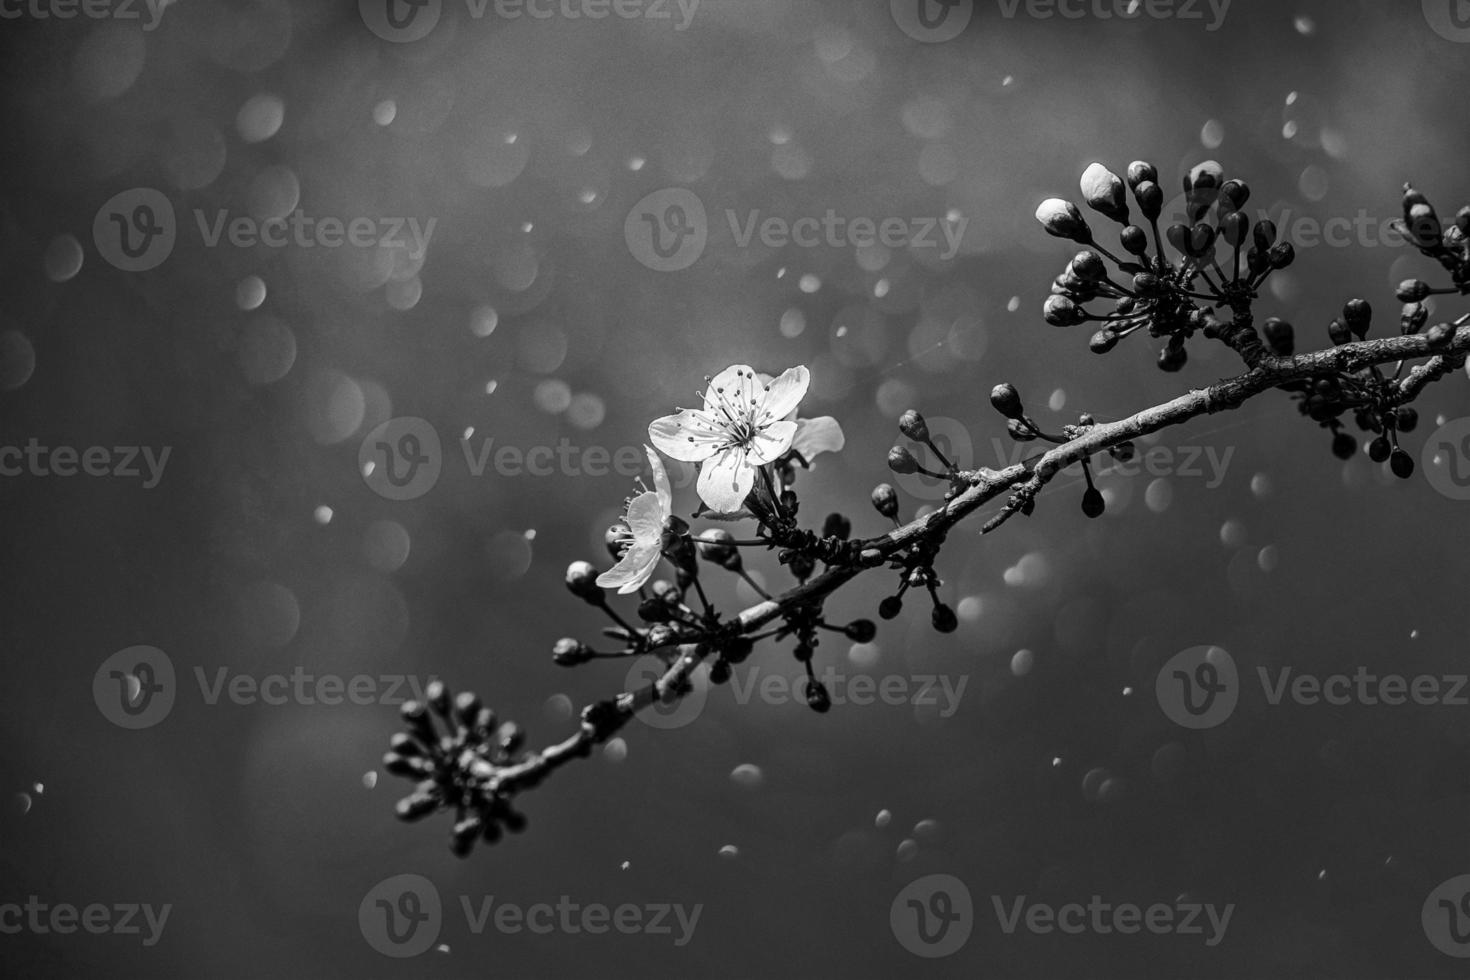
x=916, y=564
x=1448, y=244
x=1006, y=400
x=455, y=769
x=1169, y=293
x=1377, y=401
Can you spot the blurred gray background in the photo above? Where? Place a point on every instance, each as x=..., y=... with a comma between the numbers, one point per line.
x=534, y=319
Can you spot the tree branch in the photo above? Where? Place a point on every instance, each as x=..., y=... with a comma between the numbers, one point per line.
x=601, y=720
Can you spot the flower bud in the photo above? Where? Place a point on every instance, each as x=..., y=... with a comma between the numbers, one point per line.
x=900, y=460
x=1344, y=446
x=1088, y=266
x=582, y=582
x=738, y=649
x=1178, y=236
x=437, y=697
x=836, y=526
x=416, y=806
x=1103, y=341
x=1358, y=315
x=890, y=607
x=1339, y=332
x=718, y=547
x=817, y=697
x=861, y=630
x=1405, y=419
x=1264, y=234
x=1172, y=358
x=885, y=500
x=1020, y=431
x=1282, y=254
x=1379, y=449
x=1411, y=198
x=467, y=707
x=1148, y=284
x=1007, y=401
x=1279, y=336
x=1413, y=317
x=1201, y=240
x=1140, y=171
x=420, y=725
x=944, y=619
x=1233, y=228
x=1061, y=219
x=1150, y=197
x=1060, y=311
x=1104, y=193
x=569, y=652
x=1412, y=291
x=1424, y=226
x=1234, y=194
x=654, y=610
x=1439, y=336
x=1402, y=464
x=719, y=672
x=1093, y=503
x=1205, y=176
x=1134, y=240
x=912, y=424
x=1123, y=452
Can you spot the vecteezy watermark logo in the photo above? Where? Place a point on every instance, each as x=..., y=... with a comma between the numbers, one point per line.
x=135, y=230
x=63, y=918
x=91, y=9
x=1446, y=917
x=1450, y=19
x=134, y=688
x=64, y=461
x=1446, y=458
x=1184, y=10
x=1101, y=917
x=932, y=21
x=932, y=916
x=402, y=21
x=401, y=459
x=667, y=230
x=401, y=916
x=1199, y=687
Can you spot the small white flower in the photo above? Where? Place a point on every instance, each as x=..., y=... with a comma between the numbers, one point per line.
x=743, y=426
x=641, y=533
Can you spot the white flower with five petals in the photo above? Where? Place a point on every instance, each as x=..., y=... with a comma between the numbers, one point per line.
x=745, y=424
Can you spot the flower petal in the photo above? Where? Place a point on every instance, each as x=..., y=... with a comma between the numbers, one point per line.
x=645, y=518
x=784, y=394
x=731, y=392
x=817, y=436
x=687, y=436
x=725, y=479
x=661, y=482
x=635, y=568
x=770, y=442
